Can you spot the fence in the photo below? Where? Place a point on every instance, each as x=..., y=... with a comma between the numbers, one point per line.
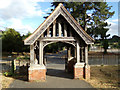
x=104, y=59
x=93, y=59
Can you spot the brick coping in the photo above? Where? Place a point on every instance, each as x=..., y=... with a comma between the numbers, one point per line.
x=37, y=67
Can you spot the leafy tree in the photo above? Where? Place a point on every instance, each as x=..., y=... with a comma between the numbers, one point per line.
x=115, y=41
x=101, y=31
x=25, y=36
x=115, y=38
x=94, y=24
x=11, y=40
x=26, y=48
x=79, y=10
x=54, y=47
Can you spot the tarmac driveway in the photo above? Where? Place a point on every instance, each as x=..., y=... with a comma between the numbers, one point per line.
x=56, y=78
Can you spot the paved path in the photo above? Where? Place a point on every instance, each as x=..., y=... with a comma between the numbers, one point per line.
x=56, y=78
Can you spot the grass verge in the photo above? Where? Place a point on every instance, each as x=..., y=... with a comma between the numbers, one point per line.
x=104, y=77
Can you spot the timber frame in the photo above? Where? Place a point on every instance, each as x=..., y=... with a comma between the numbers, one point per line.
x=60, y=10
x=60, y=26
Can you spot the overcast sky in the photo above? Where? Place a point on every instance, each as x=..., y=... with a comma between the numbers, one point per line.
x=27, y=15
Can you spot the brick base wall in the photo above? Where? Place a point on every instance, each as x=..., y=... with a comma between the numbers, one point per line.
x=81, y=71
x=37, y=75
x=87, y=72
x=78, y=73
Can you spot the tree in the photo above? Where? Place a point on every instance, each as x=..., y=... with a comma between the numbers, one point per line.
x=115, y=38
x=11, y=40
x=101, y=31
x=26, y=48
x=54, y=47
x=25, y=36
x=95, y=23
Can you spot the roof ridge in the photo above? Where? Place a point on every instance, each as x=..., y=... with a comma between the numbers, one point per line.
x=60, y=6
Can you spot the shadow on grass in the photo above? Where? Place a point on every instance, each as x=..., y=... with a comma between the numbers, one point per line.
x=22, y=74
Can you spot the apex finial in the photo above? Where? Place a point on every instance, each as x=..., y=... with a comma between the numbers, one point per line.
x=60, y=4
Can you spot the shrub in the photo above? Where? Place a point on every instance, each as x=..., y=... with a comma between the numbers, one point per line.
x=22, y=57
x=8, y=73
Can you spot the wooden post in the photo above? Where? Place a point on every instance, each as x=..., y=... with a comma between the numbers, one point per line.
x=87, y=67
x=48, y=31
x=78, y=53
x=75, y=52
x=86, y=54
x=59, y=28
x=42, y=35
x=70, y=32
x=82, y=54
x=40, y=52
x=32, y=54
x=69, y=52
x=65, y=30
x=54, y=28
x=79, y=67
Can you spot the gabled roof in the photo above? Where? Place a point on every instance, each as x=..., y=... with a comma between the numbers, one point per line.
x=59, y=10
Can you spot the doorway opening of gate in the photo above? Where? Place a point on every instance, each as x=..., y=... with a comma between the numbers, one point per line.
x=59, y=59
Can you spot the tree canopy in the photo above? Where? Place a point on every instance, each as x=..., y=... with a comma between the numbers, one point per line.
x=11, y=40
x=91, y=16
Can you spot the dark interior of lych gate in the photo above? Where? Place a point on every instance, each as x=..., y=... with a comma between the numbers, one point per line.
x=61, y=61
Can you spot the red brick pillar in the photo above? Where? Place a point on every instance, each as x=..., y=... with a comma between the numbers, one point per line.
x=37, y=73
x=79, y=71
x=87, y=71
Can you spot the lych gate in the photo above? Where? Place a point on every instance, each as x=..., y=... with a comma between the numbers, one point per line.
x=60, y=26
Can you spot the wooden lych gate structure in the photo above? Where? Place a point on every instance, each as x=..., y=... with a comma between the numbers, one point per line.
x=60, y=26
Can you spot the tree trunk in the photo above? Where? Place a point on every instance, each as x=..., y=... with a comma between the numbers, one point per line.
x=105, y=51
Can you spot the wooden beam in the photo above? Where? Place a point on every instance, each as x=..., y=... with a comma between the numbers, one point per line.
x=42, y=35
x=48, y=34
x=59, y=28
x=32, y=54
x=82, y=58
x=75, y=54
x=65, y=30
x=70, y=32
x=57, y=39
x=86, y=54
x=69, y=52
x=78, y=52
x=54, y=28
x=40, y=52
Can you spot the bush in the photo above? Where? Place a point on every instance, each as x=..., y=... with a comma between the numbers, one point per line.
x=8, y=74
x=18, y=58
x=26, y=57
x=22, y=57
